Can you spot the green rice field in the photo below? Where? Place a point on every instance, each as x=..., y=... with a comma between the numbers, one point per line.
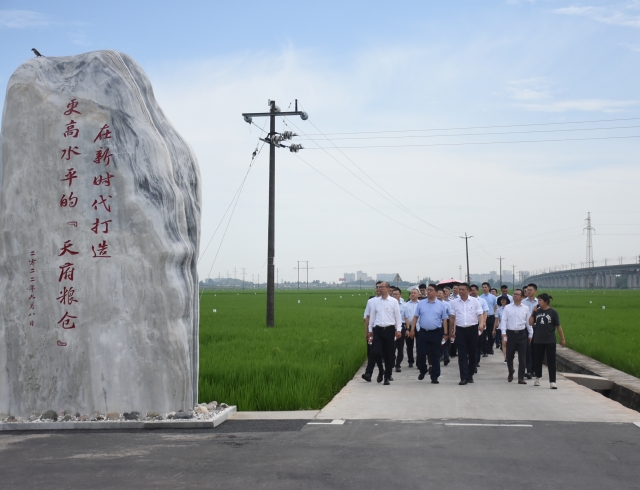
x=318, y=344
x=610, y=335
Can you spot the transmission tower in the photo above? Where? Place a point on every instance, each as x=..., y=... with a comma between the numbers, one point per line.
x=589, y=229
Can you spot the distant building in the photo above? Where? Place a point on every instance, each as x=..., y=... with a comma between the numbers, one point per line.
x=386, y=277
x=349, y=277
x=363, y=276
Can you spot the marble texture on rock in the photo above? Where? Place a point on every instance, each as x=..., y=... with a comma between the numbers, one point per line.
x=99, y=230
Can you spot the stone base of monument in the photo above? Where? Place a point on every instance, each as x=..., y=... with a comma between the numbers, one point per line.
x=213, y=421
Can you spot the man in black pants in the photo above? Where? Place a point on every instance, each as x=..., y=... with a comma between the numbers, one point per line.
x=385, y=325
x=465, y=322
x=515, y=329
x=371, y=360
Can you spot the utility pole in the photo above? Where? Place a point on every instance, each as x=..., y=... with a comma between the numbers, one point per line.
x=459, y=272
x=298, y=275
x=514, y=276
x=466, y=244
x=501, y=258
x=243, y=274
x=274, y=139
x=589, y=229
x=307, y=274
x=277, y=277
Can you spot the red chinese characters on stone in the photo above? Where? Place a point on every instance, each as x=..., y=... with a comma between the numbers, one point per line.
x=96, y=226
x=101, y=251
x=70, y=201
x=70, y=175
x=103, y=202
x=69, y=152
x=104, y=134
x=100, y=180
x=71, y=108
x=67, y=321
x=66, y=272
x=66, y=248
x=71, y=129
x=67, y=296
x=103, y=156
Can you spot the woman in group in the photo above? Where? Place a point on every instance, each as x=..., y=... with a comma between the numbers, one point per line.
x=545, y=321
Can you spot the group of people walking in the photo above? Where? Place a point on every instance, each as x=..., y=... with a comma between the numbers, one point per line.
x=443, y=322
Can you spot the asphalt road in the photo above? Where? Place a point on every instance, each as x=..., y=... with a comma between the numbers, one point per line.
x=361, y=454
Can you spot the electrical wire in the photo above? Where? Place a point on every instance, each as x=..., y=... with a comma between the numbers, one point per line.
x=479, y=127
x=482, y=134
x=479, y=143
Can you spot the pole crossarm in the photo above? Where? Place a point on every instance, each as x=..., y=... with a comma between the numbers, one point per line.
x=267, y=114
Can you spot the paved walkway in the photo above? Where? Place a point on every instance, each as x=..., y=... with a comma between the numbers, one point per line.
x=491, y=397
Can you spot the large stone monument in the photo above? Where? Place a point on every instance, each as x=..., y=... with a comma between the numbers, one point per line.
x=99, y=230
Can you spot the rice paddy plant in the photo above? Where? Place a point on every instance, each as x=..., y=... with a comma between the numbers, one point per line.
x=315, y=348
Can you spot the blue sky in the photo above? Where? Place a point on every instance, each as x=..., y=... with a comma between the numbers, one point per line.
x=375, y=66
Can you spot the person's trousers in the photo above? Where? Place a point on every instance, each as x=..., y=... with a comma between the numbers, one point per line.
x=372, y=361
x=400, y=343
x=488, y=334
x=517, y=340
x=453, y=351
x=429, y=347
x=384, y=347
x=529, y=358
x=445, y=349
x=467, y=341
x=539, y=350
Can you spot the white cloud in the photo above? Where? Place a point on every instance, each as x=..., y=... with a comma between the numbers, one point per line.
x=79, y=38
x=23, y=19
x=530, y=88
x=623, y=15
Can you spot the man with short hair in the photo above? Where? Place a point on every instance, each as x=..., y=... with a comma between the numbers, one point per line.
x=397, y=294
x=430, y=334
x=504, y=289
x=485, y=311
x=423, y=291
x=371, y=359
x=456, y=292
x=514, y=326
x=465, y=321
x=408, y=311
x=385, y=325
x=494, y=291
x=453, y=348
x=486, y=340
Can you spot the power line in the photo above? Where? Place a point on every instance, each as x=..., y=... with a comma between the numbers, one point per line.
x=482, y=134
x=385, y=194
x=480, y=143
x=480, y=127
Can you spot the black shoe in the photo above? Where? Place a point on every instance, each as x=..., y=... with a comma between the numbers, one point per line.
x=398, y=370
x=410, y=364
x=435, y=382
x=470, y=380
x=446, y=362
x=477, y=364
x=390, y=378
x=491, y=352
x=386, y=381
x=379, y=379
x=528, y=375
x=421, y=376
x=485, y=355
x=463, y=382
x=366, y=377
x=522, y=382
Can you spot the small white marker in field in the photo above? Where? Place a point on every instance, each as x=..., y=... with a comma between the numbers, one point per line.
x=590, y=302
x=603, y=307
x=214, y=310
x=325, y=299
x=340, y=297
x=298, y=301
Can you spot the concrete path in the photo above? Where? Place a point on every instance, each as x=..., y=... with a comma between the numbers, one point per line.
x=491, y=397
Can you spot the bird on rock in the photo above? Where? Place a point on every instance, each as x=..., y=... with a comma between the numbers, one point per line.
x=36, y=52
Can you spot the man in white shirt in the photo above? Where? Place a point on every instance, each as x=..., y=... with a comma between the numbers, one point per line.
x=465, y=322
x=442, y=296
x=385, y=325
x=456, y=292
x=486, y=340
x=504, y=289
x=396, y=292
x=515, y=329
x=407, y=311
x=473, y=292
x=371, y=360
x=531, y=301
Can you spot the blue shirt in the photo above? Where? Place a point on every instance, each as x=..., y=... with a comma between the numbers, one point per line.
x=431, y=314
x=492, y=302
